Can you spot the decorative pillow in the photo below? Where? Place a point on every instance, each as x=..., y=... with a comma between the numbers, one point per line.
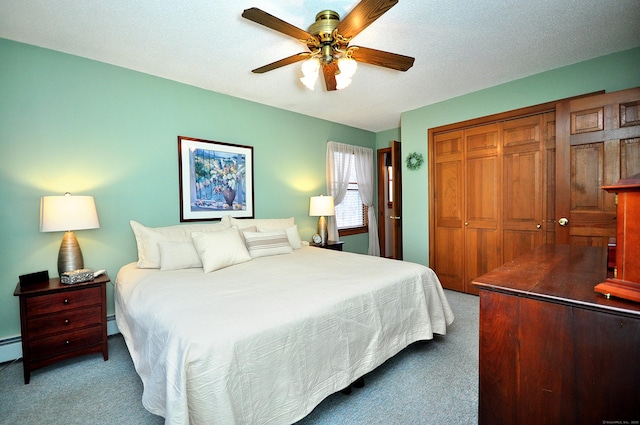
x=292, y=234
x=262, y=244
x=246, y=229
x=221, y=249
x=148, y=238
x=178, y=255
x=260, y=223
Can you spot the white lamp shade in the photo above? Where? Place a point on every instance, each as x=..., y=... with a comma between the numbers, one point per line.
x=310, y=69
x=63, y=213
x=321, y=206
x=347, y=67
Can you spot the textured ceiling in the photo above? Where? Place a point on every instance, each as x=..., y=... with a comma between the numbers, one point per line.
x=460, y=46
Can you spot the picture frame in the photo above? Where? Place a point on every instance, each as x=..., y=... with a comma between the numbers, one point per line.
x=216, y=179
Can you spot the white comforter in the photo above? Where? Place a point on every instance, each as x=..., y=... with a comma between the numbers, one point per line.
x=264, y=342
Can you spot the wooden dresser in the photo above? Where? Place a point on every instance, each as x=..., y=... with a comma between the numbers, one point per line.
x=60, y=321
x=552, y=351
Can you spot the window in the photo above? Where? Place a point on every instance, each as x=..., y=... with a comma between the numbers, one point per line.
x=351, y=213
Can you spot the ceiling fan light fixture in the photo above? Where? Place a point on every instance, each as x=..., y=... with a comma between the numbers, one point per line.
x=328, y=40
x=347, y=67
x=310, y=71
x=342, y=81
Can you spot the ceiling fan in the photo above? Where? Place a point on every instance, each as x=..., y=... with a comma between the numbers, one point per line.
x=328, y=42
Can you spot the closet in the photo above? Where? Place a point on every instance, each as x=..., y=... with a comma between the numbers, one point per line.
x=503, y=185
x=490, y=190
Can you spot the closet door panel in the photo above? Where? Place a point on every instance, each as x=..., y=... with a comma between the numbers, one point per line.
x=448, y=189
x=482, y=248
x=449, y=265
x=549, y=175
x=483, y=188
x=522, y=199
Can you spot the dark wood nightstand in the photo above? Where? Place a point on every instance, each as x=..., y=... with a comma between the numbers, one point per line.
x=335, y=245
x=60, y=321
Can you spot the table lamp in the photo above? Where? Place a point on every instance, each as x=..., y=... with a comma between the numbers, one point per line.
x=66, y=214
x=321, y=206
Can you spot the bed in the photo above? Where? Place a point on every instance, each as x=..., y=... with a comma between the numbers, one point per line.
x=263, y=340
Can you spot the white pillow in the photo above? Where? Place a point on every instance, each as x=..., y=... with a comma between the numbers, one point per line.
x=148, y=238
x=220, y=249
x=178, y=255
x=262, y=244
x=292, y=234
x=261, y=223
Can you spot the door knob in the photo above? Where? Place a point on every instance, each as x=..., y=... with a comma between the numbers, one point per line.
x=563, y=221
x=538, y=226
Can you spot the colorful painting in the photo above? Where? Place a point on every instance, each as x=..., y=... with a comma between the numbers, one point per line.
x=216, y=179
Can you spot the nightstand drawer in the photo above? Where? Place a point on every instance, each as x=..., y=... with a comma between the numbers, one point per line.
x=66, y=342
x=53, y=303
x=64, y=321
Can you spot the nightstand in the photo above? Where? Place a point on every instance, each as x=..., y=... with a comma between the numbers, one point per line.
x=335, y=245
x=60, y=321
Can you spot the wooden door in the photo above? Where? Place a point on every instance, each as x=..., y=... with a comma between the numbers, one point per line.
x=523, y=185
x=598, y=143
x=390, y=201
x=483, y=197
x=447, y=194
x=396, y=210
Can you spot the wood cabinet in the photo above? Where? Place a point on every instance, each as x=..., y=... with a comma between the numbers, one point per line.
x=60, y=321
x=490, y=191
x=552, y=351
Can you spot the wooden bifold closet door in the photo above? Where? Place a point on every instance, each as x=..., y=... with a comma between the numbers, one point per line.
x=502, y=185
x=489, y=188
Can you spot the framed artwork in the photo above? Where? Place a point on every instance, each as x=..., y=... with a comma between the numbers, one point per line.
x=216, y=179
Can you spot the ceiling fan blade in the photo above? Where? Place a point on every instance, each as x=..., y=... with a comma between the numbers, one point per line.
x=282, y=62
x=263, y=18
x=363, y=15
x=329, y=72
x=381, y=58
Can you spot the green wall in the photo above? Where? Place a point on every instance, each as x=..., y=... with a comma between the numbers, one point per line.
x=72, y=124
x=76, y=125
x=611, y=73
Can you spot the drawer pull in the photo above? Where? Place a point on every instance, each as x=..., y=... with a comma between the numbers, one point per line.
x=67, y=321
x=67, y=343
x=66, y=301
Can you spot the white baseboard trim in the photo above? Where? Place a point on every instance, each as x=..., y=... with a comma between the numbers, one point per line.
x=11, y=348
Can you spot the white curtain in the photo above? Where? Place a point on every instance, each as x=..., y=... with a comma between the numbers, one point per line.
x=364, y=173
x=338, y=170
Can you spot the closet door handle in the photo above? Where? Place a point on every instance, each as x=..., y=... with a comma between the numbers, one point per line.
x=563, y=222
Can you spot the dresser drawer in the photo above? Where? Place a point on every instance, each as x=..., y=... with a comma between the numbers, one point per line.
x=52, y=303
x=63, y=343
x=64, y=321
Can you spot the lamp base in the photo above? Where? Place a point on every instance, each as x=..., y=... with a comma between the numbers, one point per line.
x=70, y=255
x=323, y=231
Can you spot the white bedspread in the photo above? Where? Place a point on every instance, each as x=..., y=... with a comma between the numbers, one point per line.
x=264, y=342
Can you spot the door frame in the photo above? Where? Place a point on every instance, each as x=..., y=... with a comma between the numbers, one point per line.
x=396, y=227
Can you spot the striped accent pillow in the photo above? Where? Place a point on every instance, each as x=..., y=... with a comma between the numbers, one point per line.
x=262, y=244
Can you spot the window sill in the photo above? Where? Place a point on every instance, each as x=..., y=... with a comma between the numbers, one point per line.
x=352, y=231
